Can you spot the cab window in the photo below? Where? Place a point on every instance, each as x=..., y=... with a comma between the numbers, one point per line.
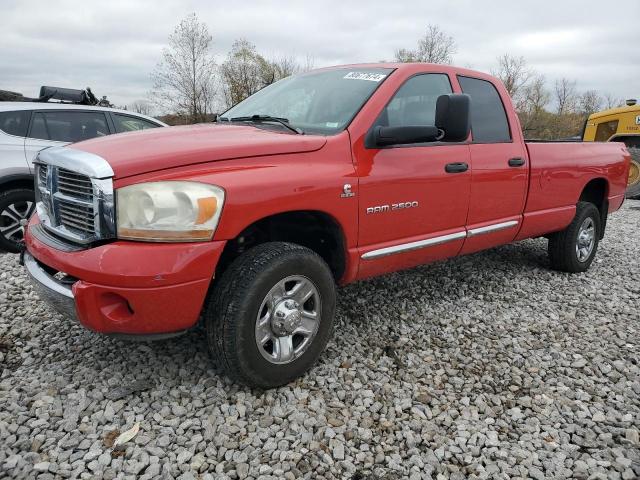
x=489, y=122
x=606, y=130
x=415, y=101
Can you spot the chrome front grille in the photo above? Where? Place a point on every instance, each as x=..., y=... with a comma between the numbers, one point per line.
x=74, y=184
x=78, y=218
x=42, y=175
x=72, y=202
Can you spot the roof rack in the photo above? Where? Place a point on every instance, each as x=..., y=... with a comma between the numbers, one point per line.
x=63, y=95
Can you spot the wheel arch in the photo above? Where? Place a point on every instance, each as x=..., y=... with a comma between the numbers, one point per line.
x=314, y=229
x=596, y=191
x=11, y=182
x=631, y=141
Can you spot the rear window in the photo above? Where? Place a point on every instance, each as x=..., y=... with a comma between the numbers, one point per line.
x=68, y=126
x=488, y=118
x=15, y=123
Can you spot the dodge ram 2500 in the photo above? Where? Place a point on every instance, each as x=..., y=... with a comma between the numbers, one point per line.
x=318, y=180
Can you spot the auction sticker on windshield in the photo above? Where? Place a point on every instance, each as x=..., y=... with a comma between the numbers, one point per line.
x=373, y=77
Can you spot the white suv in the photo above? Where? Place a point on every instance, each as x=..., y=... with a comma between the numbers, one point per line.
x=28, y=127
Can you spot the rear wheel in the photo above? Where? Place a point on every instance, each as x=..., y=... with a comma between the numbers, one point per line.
x=271, y=314
x=633, y=185
x=574, y=248
x=16, y=206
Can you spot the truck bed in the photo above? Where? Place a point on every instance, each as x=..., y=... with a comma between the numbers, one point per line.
x=559, y=171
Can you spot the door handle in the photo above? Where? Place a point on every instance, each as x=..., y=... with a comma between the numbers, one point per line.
x=457, y=167
x=516, y=162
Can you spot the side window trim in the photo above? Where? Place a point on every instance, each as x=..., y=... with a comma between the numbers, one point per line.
x=34, y=114
x=368, y=144
x=111, y=124
x=46, y=126
x=31, y=116
x=506, y=116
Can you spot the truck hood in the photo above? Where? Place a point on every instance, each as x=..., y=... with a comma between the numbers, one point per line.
x=161, y=148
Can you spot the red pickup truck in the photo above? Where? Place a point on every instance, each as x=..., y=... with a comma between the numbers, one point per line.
x=324, y=178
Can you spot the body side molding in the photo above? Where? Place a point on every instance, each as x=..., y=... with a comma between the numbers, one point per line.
x=405, y=247
x=492, y=228
x=429, y=242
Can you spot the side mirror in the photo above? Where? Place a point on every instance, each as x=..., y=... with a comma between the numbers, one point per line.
x=453, y=116
x=385, y=136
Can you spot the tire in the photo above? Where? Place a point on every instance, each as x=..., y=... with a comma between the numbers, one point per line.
x=633, y=187
x=573, y=249
x=15, y=205
x=245, y=303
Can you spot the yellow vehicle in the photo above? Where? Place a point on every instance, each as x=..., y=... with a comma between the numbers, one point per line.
x=619, y=125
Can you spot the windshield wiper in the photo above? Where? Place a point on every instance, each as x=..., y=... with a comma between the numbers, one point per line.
x=267, y=118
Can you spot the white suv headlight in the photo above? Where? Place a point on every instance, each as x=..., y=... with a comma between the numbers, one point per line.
x=168, y=211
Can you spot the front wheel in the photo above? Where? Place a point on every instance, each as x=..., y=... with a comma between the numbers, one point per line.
x=270, y=315
x=16, y=206
x=574, y=248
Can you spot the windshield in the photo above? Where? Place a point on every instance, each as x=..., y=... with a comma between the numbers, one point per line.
x=321, y=102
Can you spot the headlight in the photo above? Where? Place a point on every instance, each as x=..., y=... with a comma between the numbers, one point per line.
x=168, y=211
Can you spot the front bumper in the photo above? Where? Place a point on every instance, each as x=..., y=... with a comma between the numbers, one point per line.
x=125, y=288
x=51, y=290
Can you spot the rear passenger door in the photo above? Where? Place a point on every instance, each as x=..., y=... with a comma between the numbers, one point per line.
x=499, y=170
x=59, y=127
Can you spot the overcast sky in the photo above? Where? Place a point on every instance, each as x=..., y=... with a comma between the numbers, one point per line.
x=112, y=46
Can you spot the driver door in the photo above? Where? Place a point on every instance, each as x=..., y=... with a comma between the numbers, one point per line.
x=413, y=205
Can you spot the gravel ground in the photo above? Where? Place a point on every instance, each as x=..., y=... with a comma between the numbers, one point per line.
x=487, y=366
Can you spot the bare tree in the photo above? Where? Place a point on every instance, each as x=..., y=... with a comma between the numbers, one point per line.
x=536, y=95
x=404, y=55
x=141, y=106
x=590, y=102
x=184, y=78
x=611, y=101
x=565, y=95
x=283, y=67
x=531, y=105
x=308, y=63
x=434, y=47
x=513, y=72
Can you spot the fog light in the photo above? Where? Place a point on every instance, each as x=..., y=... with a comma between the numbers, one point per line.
x=115, y=307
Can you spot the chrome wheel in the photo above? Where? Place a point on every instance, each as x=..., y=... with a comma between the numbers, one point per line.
x=14, y=218
x=586, y=240
x=288, y=319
